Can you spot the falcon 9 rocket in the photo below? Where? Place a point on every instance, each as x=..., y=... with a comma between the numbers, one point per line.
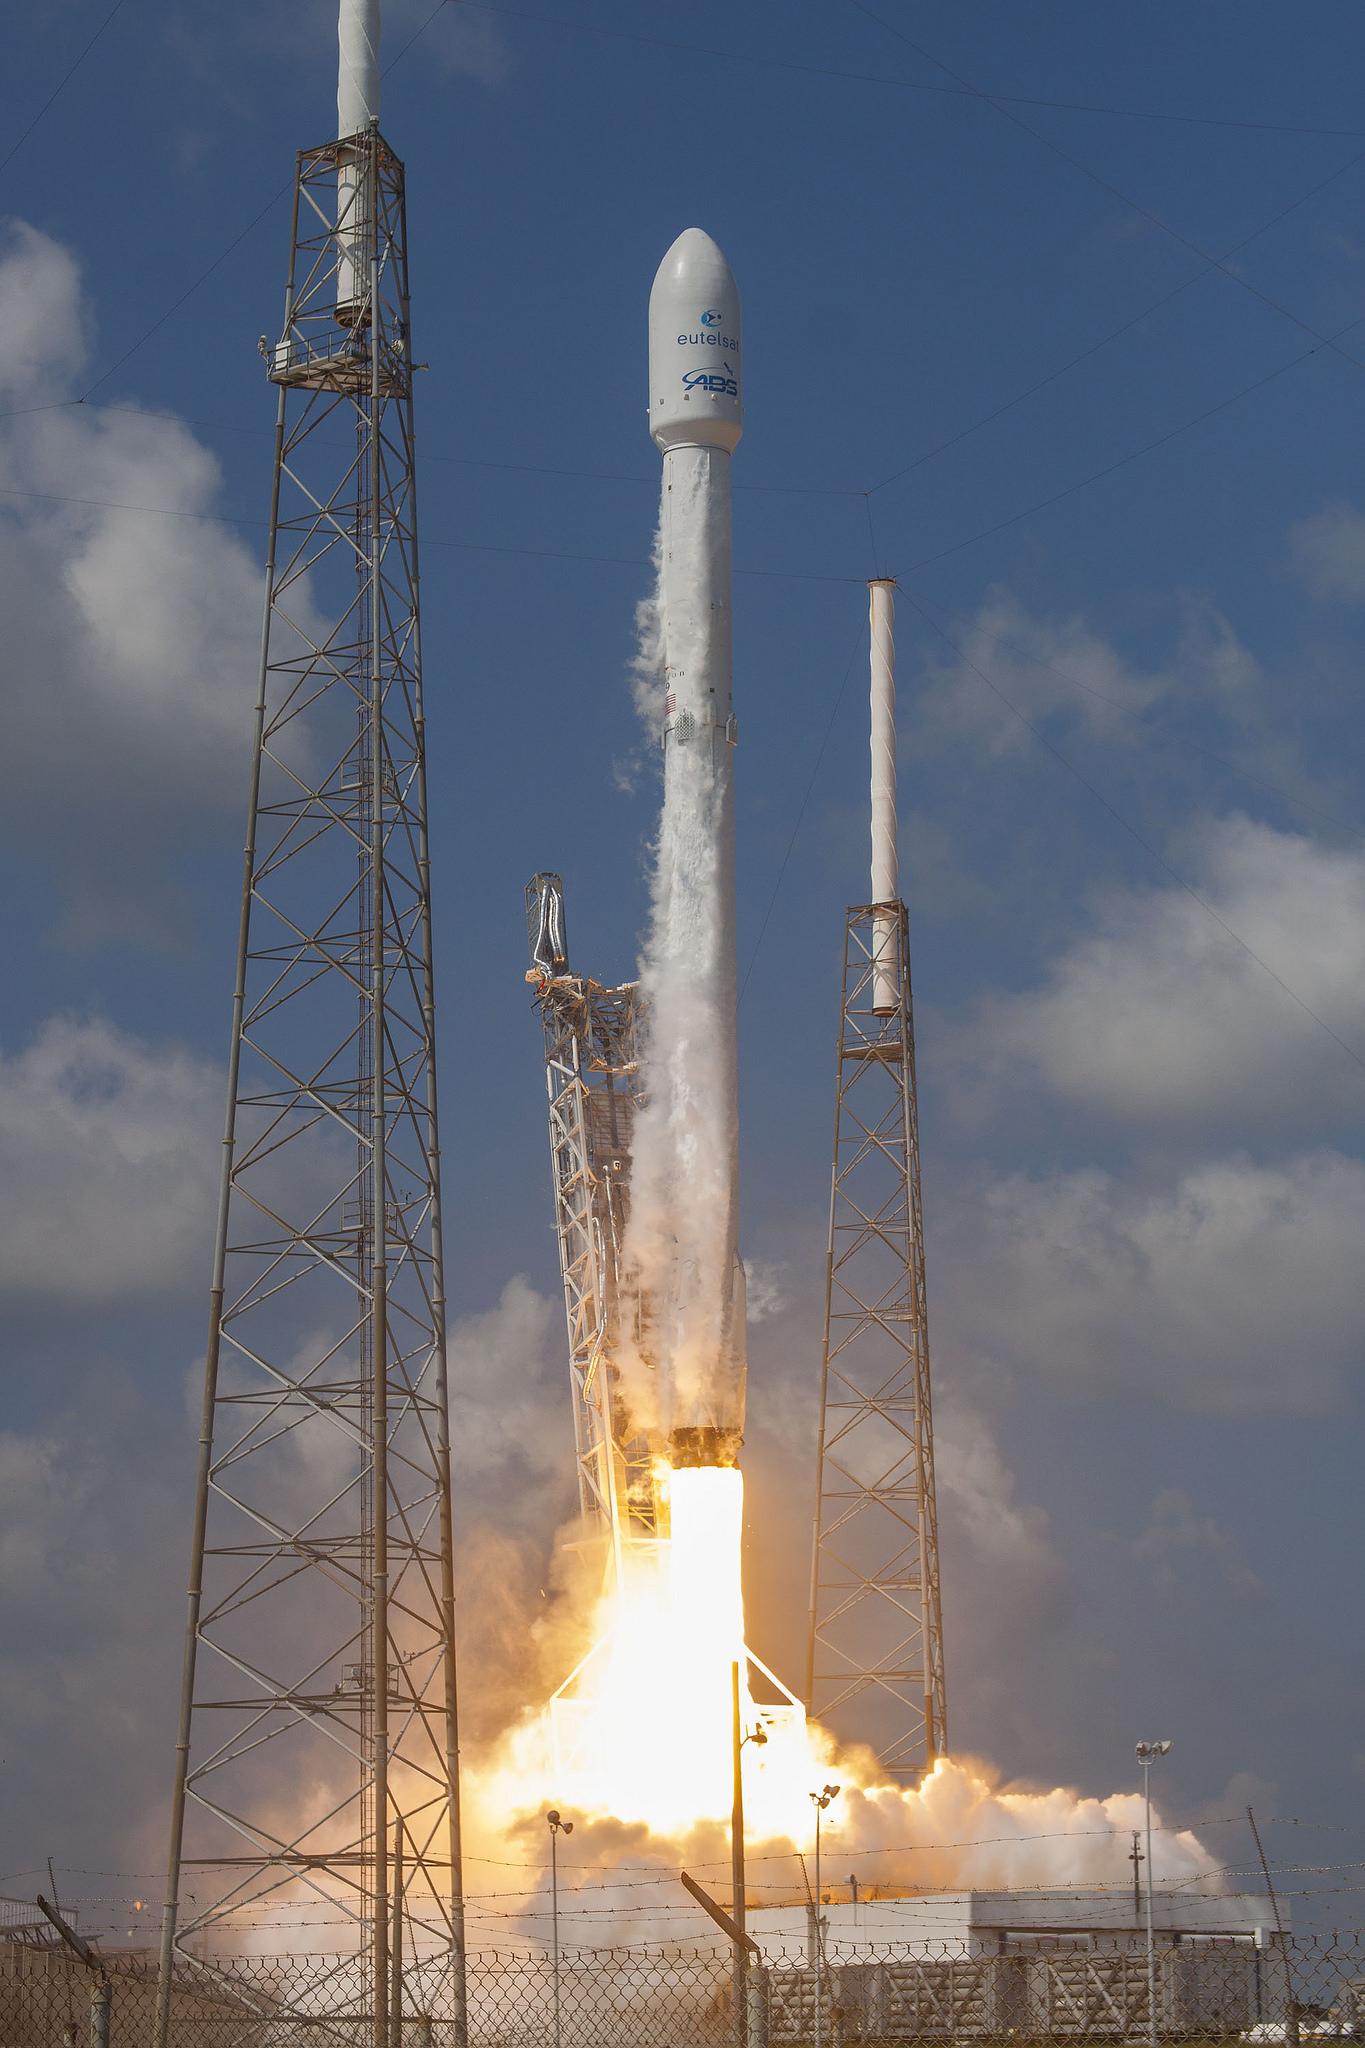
x=684, y=1215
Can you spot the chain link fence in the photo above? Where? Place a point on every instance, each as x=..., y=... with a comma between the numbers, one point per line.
x=1085, y=1989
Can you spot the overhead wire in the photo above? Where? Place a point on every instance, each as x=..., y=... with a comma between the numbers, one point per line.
x=1105, y=185
x=1117, y=333
x=60, y=86
x=777, y=885
x=1145, y=725
x=237, y=240
x=1210, y=263
x=901, y=84
x=1002, y=104
x=1123, y=461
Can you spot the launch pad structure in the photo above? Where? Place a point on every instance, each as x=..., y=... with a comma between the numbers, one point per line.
x=592, y=1074
x=874, y=1664
x=592, y=1067
x=316, y=1766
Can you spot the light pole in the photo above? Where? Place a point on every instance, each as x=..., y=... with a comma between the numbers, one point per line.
x=556, y=1824
x=1147, y=1753
x=820, y=1800
x=738, y=1887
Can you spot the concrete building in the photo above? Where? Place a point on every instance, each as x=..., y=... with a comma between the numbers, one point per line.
x=995, y=1923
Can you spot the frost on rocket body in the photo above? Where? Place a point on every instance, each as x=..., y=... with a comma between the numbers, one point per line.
x=685, y=1367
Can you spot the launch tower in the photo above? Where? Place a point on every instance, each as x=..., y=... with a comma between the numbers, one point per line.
x=874, y=1665
x=316, y=1780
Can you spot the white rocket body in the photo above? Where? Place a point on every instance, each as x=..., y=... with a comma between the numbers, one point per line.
x=695, y=413
x=357, y=105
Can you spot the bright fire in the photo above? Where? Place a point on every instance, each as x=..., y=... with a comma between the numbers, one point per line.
x=640, y=1740
x=659, y=1684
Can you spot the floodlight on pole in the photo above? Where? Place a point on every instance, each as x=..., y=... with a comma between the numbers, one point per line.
x=820, y=1800
x=1147, y=1753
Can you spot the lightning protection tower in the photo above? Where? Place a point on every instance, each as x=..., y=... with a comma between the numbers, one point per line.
x=874, y=1665
x=315, y=1783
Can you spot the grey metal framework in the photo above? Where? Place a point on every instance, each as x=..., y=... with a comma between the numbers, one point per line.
x=591, y=1076
x=874, y=1664
x=316, y=1770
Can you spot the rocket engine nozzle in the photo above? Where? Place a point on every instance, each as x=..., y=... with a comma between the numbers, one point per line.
x=703, y=1444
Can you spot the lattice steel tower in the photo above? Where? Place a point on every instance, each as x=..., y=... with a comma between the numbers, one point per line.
x=316, y=1775
x=592, y=1067
x=874, y=1665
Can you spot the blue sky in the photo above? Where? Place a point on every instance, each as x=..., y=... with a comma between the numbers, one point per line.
x=988, y=352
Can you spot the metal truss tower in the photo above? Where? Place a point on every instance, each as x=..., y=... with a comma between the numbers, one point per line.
x=316, y=1775
x=874, y=1665
x=591, y=1076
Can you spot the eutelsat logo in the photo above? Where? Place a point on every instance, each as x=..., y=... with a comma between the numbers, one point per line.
x=706, y=337
x=710, y=320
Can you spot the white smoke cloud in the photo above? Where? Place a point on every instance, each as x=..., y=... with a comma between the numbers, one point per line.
x=646, y=671
x=511, y=1418
x=94, y=1538
x=1177, y=1527
x=107, y=1164
x=680, y=1250
x=1239, y=1289
x=131, y=635
x=1159, y=1013
x=763, y=1290
x=1010, y=1549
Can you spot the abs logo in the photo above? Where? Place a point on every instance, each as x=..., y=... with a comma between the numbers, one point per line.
x=702, y=380
x=710, y=320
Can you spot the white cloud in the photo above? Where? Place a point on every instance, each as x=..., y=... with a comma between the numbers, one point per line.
x=131, y=636
x=1042, y=665
x=1160, y=1013
x=1061, y=677
x=1327, y=553
x=42, y=319
x=107, y=1164
x=1238, y=1290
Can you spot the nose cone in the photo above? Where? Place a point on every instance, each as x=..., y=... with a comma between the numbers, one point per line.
x=696, y=391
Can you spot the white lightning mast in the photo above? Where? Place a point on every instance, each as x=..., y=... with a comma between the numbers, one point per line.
x=874, y=1662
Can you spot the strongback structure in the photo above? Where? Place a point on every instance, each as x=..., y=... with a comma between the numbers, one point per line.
x=592, y=1077
x=592, y=1064
x=316, y=1778
x=874, y=1665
